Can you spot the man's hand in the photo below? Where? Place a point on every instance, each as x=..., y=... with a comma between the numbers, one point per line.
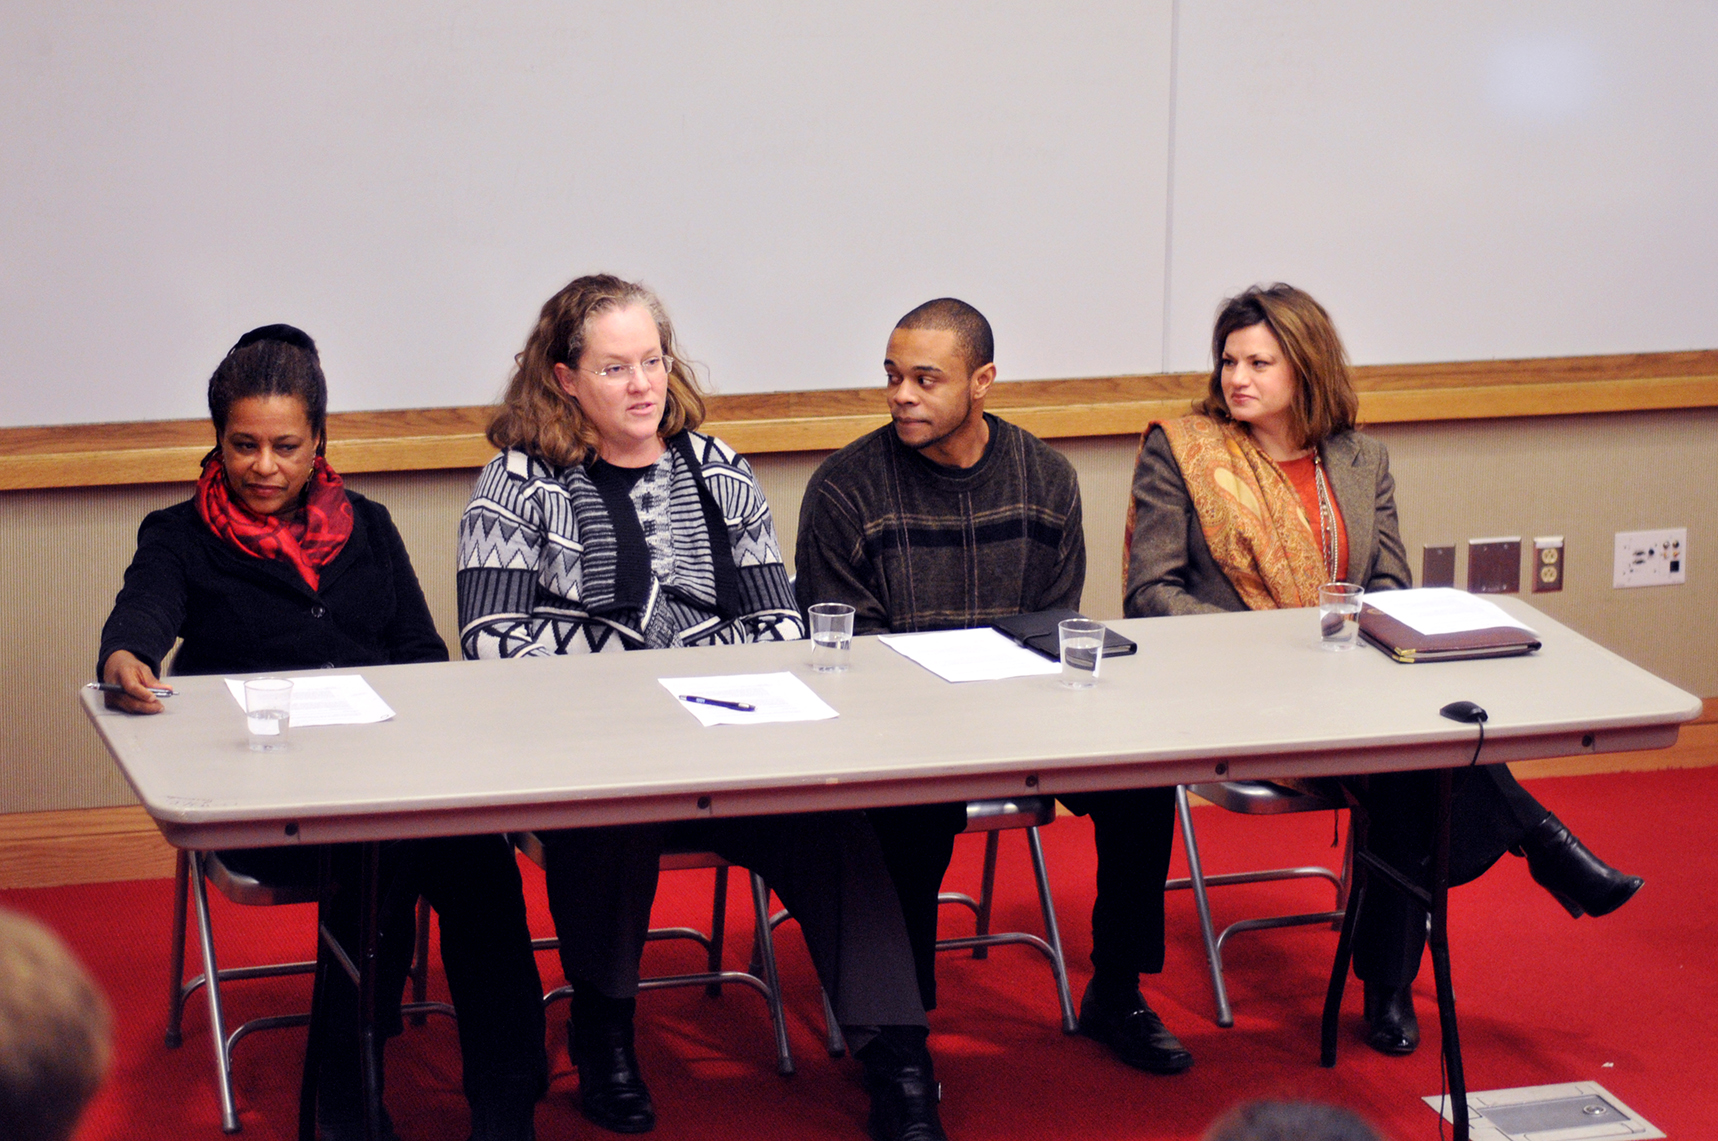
x=124, y=668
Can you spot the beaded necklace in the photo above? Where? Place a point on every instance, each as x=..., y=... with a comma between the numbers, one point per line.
x=1326, y=518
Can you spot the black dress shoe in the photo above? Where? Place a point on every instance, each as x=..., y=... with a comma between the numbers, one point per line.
x=1391, y=1027
x=342, y=1126
x=904, y=1104
x=612, y=1093
x=1577, y=879
x=1134, y=1033
x=340, y=1095
x=506, y=1116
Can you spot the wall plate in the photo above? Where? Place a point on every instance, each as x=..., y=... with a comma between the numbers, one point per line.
x=1651, y=558
x=1547, y=569
x=1438, y=565
x=1494, y=565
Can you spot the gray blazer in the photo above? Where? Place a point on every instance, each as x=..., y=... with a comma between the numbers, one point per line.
x=1169, y=566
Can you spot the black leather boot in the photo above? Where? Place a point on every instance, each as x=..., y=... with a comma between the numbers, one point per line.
x=1391, y=1027
x=612, y=1093
x=1577, y=879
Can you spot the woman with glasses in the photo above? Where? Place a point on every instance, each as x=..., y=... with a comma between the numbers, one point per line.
x=607, y=523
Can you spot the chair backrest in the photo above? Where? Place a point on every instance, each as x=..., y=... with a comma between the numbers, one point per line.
x=250, y=891
x=1264, y=798
x=1013, y=812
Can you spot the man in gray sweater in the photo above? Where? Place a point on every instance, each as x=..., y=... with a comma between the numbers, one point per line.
x=950, y=518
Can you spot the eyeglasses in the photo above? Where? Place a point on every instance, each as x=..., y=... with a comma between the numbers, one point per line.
x=652, y=368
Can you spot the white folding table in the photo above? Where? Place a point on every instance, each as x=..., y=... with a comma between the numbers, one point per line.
x=537, y=743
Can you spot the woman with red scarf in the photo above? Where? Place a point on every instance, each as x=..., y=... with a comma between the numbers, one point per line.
x=272, y=565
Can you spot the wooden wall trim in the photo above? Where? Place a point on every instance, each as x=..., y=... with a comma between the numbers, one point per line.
x=96, y=845
x=81, y=845
x=428, y=439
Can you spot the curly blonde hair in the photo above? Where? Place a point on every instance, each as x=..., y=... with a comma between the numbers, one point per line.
x=537, y=415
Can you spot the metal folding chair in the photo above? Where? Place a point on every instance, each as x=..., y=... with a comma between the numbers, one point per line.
x=1254, y=798
x=761, y=975
x=993, y=817
x=192, y=873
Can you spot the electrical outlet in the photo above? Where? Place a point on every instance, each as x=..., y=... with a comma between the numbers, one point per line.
x=1494, y=565
x=1438, y=565
x=1547, y=564
x=1651, y=558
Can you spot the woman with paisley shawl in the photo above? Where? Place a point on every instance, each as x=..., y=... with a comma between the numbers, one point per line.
x=1253, y=501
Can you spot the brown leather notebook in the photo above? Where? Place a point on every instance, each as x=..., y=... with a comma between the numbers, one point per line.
x=1405, y=644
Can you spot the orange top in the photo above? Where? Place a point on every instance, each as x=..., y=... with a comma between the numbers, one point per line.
x=1303, y=474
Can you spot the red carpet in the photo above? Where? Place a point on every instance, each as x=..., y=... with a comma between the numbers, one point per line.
x=1543, y=999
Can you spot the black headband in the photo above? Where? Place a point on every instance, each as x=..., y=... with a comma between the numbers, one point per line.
x=286, y=334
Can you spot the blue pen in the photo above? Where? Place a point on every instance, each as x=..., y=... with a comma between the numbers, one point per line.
x=740, y=706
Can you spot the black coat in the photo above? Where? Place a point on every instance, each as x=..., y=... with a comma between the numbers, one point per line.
x=242, y=614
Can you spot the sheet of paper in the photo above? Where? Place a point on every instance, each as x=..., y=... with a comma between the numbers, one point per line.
x=971, y=655
x=328, y=699
x=1442, y=610
x=777, y=697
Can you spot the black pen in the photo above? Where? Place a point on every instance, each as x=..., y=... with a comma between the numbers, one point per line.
x=740, y=706
x=109, y=687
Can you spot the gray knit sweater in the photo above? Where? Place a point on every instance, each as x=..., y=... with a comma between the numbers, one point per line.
x=914, y=545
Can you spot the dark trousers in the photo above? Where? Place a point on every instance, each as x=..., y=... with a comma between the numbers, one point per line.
x=1490, y=813
x=918, y=843
x=1133, y=830
x=826, y=867
x=473, y=884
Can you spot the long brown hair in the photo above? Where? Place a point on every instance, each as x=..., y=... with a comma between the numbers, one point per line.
x=1324, y=402
x=537, y=415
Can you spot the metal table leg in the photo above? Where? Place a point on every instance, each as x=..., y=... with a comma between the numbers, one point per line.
x=1436, y=903
x=330, y=954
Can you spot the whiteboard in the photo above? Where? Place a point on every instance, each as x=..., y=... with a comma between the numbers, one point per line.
x=1454, y=181
x=409, y=182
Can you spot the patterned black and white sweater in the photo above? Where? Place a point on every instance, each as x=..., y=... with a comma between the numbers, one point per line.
x=573, y=560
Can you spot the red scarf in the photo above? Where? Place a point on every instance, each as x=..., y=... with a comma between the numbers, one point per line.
x=308, y=545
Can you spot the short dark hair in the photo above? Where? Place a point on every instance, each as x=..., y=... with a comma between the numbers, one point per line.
x=966, y=323
x=1290, y=1121
x=1324, y=402
x=272, y=360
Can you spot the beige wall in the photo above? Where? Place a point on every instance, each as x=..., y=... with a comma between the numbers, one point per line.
x=62, y=555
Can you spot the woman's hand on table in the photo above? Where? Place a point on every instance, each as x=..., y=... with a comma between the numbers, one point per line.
x=124, y=668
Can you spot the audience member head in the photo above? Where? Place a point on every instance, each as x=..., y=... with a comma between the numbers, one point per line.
x=1323, y=401
x=541, y=412
x=1290, y=1121
x=54, y=1045
x=940, y=364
